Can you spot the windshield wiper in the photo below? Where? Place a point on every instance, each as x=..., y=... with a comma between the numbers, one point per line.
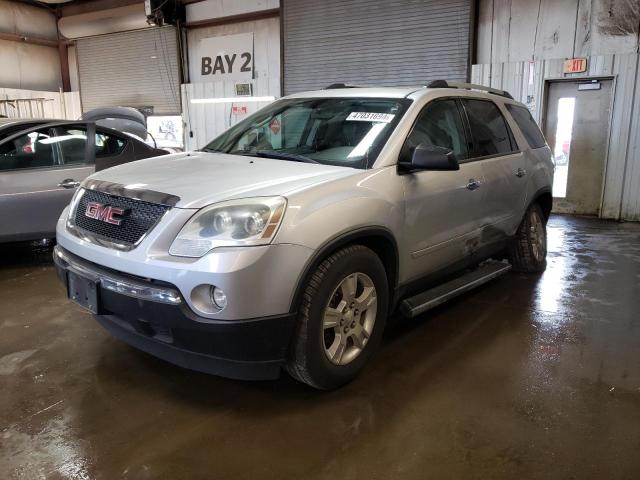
x=246, y=153
x=284, y=156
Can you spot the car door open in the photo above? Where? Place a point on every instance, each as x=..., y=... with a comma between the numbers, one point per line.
x=40, y=169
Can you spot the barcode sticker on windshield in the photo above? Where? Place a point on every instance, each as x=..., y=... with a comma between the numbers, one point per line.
x=370, y=117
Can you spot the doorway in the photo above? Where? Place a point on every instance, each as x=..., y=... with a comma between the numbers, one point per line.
x=577, y=117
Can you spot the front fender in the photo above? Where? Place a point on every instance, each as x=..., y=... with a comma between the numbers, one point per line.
x=327, y=211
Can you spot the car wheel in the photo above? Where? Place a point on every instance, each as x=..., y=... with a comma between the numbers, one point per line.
x=528, y=252
x=341, y=319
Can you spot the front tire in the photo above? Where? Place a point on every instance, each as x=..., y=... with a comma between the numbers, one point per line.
x=341, y=320
x=528, y=252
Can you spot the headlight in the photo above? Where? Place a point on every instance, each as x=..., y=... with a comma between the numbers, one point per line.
x=250, y=221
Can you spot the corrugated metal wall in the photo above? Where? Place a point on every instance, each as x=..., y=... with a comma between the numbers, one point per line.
x=135, y=69
x=519, y=30
x=523, y=43
x=369, y=42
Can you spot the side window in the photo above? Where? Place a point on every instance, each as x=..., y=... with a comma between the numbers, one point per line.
x=488, y=128
x=31, y=150
x=438, y=124
x=527, y=125
x=72, y=143
x=108, y=145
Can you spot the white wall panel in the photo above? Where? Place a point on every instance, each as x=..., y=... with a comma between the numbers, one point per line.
x=54, y=105
x=204, y=122
x=266, y=44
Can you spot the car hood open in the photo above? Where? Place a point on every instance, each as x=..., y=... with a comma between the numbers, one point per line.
x=202, y=178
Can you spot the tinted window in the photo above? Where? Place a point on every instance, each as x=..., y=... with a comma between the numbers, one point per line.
x=332, y=131
x=108, y=145
x=438, y=124
x=488, y=128
x=32, y=150
x=527, y=126
x=72, y=142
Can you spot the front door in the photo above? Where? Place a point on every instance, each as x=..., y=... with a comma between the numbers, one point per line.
x=443, y=208
x=39, y=172
x=577, y=128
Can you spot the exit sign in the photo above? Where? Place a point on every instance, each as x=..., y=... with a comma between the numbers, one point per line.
x=575, y=65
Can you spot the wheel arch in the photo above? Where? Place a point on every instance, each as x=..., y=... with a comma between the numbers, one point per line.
x=544, y=198
x=379, y=239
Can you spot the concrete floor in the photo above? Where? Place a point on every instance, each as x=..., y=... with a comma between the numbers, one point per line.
x=530, y=376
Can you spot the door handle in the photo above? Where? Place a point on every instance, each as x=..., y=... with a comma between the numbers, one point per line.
x=473, y=184
x=69, y=183
x=521, y=172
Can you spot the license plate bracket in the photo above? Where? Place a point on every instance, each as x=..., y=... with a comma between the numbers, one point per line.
x=83, y=291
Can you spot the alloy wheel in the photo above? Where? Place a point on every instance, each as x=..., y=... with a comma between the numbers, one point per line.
x=349, y=318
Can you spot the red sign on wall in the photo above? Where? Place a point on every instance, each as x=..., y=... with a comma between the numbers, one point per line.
x=239, y=109
x=575, y=65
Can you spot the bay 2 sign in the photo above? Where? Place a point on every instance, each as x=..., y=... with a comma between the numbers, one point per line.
x=229, y=57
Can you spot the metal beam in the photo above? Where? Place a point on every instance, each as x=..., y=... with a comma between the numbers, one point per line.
x=242, y=17
x=94, y=6
x=12, y=37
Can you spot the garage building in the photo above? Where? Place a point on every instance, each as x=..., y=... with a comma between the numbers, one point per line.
x=505, y=374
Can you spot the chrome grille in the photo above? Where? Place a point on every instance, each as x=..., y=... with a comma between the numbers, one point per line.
x=139, y=218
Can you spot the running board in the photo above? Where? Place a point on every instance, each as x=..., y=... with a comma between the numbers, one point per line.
x=435, y=296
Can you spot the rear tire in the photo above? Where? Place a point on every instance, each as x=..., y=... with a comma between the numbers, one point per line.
x=338, y=331
x=528, y=251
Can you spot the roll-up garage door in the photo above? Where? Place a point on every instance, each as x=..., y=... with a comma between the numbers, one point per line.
x=372, y=42
x=131, y=69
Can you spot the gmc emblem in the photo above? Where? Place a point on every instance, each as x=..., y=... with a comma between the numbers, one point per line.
x=104, y=213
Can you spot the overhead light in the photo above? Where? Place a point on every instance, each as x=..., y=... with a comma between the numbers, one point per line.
x=232, y=99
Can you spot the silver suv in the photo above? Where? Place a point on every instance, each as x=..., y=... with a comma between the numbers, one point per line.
x=289, y=239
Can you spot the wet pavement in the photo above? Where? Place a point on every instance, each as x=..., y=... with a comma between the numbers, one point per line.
x=527, y=377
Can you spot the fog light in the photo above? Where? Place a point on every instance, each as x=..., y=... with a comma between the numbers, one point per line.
x=219, y=297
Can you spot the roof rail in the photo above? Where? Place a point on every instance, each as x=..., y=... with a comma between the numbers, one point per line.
x=468, y=86
x=340, y=85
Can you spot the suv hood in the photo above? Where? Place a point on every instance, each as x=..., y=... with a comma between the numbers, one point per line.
x=202, y=178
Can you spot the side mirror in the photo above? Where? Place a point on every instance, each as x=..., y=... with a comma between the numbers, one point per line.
x=431, y=157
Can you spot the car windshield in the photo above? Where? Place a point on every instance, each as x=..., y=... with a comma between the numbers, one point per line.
x=333, y=131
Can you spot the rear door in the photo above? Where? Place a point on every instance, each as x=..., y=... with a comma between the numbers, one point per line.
x=442, y=208
x=503, y=167
x=40, y=169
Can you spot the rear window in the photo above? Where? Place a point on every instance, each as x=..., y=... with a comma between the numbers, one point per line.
x=527, y=125
x=489, y=129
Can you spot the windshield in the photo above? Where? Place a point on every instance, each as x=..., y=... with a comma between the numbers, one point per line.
x=333, y=131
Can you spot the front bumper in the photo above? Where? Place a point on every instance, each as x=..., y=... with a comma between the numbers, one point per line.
x=152, y=316
x=258, y=281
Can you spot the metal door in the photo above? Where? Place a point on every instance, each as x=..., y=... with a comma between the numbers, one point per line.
x=443, y=216
x=139, y=68
x=370, y=42
x=33, y=195
x=577, y=129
